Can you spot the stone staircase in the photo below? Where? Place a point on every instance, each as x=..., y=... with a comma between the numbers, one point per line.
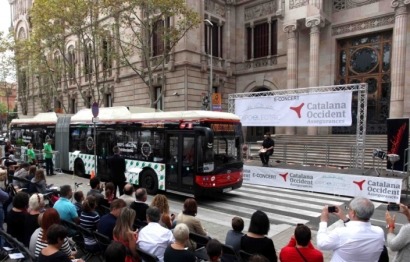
x=323, y=150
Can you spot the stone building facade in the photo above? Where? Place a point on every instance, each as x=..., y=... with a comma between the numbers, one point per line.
x=260, y=45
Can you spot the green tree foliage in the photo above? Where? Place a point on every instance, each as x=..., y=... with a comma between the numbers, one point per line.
x=56, y=23
x=7, y=74
x=107, y=34
x=140, y=24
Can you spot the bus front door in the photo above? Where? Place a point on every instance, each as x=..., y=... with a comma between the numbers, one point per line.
x=180, y=162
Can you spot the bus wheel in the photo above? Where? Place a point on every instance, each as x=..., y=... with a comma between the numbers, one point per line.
x=79, y=169
x=149, y=181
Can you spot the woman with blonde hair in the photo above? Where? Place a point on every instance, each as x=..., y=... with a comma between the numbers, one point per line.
x=161, y=202
x=35, y=206
x=123, y=233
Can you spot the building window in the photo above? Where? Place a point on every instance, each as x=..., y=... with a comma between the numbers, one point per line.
x=366, y=59
x=71, y=65
x=108, y=100
x=88, y=62
x=107, y=55
x=57, y=106
x=262, y=40
x=73, y=106
x=216, y=32
x=89, y=99
x=158, y=39
x=57, y=68
x=159, y=105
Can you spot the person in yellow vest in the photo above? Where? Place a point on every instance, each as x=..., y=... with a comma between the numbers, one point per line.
x=48, y=156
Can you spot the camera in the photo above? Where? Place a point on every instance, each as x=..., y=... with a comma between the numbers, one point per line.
x=331, y=209
x=393, y=207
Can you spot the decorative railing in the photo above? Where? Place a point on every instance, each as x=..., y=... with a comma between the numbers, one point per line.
x=258, y=62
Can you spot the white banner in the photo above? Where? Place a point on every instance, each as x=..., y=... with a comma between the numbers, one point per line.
x=319, y=109
x=377, y=188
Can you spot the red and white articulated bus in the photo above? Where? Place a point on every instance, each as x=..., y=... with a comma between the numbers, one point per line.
x=188, y=152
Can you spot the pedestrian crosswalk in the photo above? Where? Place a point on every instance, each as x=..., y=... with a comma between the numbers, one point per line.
x=284, y=207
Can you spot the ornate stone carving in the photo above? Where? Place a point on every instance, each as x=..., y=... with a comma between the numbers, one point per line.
x=297, y=3
x=260, y=10
x=364, y=24
x=290, y=29
x=256, y=63
x=339, y=5
x=315, y=21
x=399, y=3
x=215, y=8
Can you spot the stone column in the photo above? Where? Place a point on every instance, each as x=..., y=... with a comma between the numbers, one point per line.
x=290, y=29
x=252, y=39
x=314, y=24
x=270, y=37
x=317, y=3
x=398, y=58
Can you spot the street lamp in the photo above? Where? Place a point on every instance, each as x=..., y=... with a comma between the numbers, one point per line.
x=208, y=22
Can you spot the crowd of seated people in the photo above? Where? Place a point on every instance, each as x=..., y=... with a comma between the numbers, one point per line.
x=156, y=233
x=138, y=228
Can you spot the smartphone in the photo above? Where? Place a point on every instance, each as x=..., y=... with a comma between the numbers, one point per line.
x=331, y=209
x=393, y=207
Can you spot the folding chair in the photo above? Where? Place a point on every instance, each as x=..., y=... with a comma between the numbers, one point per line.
x=17, y=245
x=75, y=235
x=102, y=240
x=244, y=255
x=138, y=224
x=228, y=254
x=147, y=257
x=88, y=250
x=200, y=240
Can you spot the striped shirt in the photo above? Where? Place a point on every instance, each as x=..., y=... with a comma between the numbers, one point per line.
x=89, y=220
x=40, y=244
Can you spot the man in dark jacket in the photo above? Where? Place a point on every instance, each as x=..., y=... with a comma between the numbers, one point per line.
x=117, y=166
x=267, y=149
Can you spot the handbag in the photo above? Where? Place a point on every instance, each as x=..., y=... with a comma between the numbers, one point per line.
x=304, y=259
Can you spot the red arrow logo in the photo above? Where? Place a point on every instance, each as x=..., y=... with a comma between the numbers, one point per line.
x=297, y=109
x=284, y=176
x=360, y=184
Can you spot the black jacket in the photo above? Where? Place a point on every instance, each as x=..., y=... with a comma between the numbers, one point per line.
x=117, y=167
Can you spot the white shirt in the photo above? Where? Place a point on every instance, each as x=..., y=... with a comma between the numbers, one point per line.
x=356, y=242
x=154, y=238
x=128, y=199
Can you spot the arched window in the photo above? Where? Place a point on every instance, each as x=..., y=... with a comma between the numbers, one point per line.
x=57, y=68
x=71, y=64
x=88, y=61
x=107, y=54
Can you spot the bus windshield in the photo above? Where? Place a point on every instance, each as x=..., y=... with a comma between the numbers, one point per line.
x=226, y=144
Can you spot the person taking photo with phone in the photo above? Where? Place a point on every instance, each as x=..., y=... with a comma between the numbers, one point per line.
x=357, y=239
x=401, y=241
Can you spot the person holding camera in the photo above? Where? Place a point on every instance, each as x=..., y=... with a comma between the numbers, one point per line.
x=358, y=240
x=401, y=241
